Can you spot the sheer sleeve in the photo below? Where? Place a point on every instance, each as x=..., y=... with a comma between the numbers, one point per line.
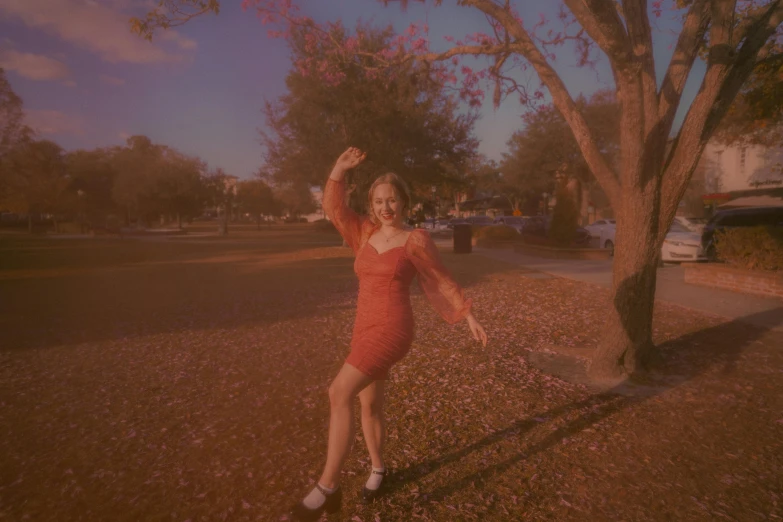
x=347, y=222
x=443, y=292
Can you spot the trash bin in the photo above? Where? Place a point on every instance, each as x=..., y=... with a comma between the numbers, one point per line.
x=462, y=239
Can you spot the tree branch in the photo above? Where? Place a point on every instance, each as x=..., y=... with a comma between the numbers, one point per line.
x=174, y=14
x=523, y=43
x=688, y=44
x=640, y=36
x=750, y=22
x=602, y=22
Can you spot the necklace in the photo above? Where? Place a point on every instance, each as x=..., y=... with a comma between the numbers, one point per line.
x=389, y=238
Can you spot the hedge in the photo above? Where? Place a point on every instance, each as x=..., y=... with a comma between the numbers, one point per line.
x=751, y=248
x=497, y=233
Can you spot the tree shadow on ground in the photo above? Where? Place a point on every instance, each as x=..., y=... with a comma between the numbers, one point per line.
x=682, y=360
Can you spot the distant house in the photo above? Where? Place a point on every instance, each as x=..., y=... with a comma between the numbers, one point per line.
x=743, y=167
x=741, y=171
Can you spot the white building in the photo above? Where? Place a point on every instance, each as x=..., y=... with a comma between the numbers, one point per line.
x=730, y=168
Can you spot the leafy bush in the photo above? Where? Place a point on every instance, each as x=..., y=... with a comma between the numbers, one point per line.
x=752, y=248
x=565, y=218
x=324, y=225
x=498, y=233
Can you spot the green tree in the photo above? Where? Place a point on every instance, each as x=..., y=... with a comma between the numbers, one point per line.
x=179, y=186
x=491, y=179
x=295, y=199
x=756, y=115
x=13, y=131
x=153, y=181
x=546, y=148
x=136, y=167
x=405, y=122
x=92, y=176
x=221, y=190
x=38, y=179
x=257, y=199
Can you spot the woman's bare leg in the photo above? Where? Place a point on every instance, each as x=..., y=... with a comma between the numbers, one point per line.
x=342, y=394
x=373, y=421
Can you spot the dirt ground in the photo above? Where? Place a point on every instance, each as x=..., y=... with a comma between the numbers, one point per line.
x=185, y=380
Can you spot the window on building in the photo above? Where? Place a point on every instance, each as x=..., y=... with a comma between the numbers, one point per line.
x=742, y=159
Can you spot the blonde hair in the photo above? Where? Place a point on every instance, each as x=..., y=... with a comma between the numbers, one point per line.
x=399, y=186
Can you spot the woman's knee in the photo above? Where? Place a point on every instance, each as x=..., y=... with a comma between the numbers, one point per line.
x=339, y=394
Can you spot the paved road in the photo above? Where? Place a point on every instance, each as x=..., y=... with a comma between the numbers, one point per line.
x=761, y=311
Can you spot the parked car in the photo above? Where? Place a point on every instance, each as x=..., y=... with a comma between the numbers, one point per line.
x=597, y=227
x=738, y=217
x=539, y=226
x=692, y=224
x=456, y=221
x=681, y=245
x=428, y=223
x=582, y=236
x=479, y=221
x=516, y=222
x=433, y=224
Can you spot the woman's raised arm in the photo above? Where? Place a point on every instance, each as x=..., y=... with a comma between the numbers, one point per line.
x=347, y=222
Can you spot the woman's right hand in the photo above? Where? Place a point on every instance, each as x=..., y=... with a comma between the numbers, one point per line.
x=349, y=159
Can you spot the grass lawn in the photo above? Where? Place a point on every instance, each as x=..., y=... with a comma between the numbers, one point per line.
x=185, y=379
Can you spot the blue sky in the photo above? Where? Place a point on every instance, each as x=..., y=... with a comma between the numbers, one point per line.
x=87, y=82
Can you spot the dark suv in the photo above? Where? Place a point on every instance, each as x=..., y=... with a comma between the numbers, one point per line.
x=739, y=217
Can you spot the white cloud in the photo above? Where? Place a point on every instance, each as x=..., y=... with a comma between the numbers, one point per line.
x=33, y=66
x=186, y=44
x=124, y=136
x=51, y=123
x=70, y=83
x=112, y=80
x=99, y=27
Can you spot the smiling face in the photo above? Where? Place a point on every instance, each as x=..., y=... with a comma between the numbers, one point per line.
x=386, y=205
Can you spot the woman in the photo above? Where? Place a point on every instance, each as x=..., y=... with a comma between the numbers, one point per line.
x=387, y=259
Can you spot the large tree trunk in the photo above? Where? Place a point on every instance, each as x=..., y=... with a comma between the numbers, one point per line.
x=627, y=346
x=29, y=223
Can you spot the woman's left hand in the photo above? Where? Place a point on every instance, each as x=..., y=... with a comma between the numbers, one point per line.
x=477, y=330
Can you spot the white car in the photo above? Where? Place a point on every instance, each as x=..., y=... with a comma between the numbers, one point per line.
x=681, y=245
x=692, y=224
x=605, y=233
x=597, y=227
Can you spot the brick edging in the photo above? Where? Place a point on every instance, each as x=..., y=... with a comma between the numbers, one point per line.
x=769, y=284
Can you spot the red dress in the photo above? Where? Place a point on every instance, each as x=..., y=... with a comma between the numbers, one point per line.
x=383, y=330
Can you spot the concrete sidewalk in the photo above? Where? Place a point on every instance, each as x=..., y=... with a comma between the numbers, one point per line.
x=766, y=312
